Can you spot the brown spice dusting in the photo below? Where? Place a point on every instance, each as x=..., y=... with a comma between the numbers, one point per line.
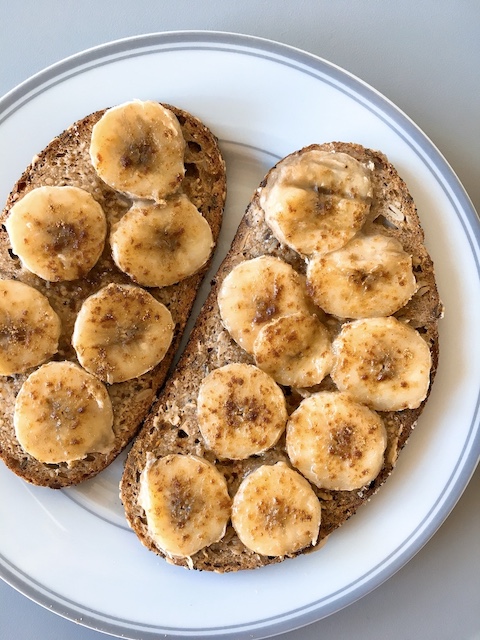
x=181, y=502
x=385, y=367
x=366, y=279
x=15, y=334
x=169, y=240
x=65, y=235
x=276, y=513
x=127, y=335
x=265, y=310
x=279, y=512
x=107, y=318
x=139, y=153
x=238, y=412
x=62, y=415
x=342, y=443
x=267, y=307
x=323, y=204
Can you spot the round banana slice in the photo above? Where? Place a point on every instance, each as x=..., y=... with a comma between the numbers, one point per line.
x=138, y=148
x=121, y=332
x=241, y=411
x=256, y=292
x=295, y=350
x=62, y=413
x=186, y=503
x=275, y=511
x=29, y=328
x=383, y=363
x=57, y=232
x=314, y=202
x=370, y=276
x=335, y=442
x=161, y=245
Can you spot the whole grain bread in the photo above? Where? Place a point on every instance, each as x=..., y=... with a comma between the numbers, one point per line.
x=172, y=425
x=66, y=161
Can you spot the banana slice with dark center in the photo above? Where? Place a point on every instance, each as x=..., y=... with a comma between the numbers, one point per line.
x=57, y=232
x=256, y=292
x=336, y=442
x=161, y=245
x=316, y=201
x=275, y=511
x=370, y=276
x=241, y=411
x=383, y=363
x=62, y=413
x=295, y=350
x=29, y=328
x=121, y=332
x=138, y=148
x=186, y=503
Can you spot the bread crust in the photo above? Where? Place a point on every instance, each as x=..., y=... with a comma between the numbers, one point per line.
x=66, y=161
x=172, y=426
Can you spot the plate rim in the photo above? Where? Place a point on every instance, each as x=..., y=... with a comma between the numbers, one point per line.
x=208, y=37
x=471, y=225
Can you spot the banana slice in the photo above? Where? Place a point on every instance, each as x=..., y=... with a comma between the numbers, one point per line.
x=383, y=363
x=121, y=332
x=29, y=328
x=138, y=148
x=335, y=442
x=241, y=411
x=256, y=292
x=275, y=511
x=186, y=503
x=57, y=232
x=314, y=202
x=161, y=245
x=370, y=276
x=295, y=350
x=62, y=413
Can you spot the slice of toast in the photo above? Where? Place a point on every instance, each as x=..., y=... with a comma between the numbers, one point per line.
x=172, y=425
x=66, y=161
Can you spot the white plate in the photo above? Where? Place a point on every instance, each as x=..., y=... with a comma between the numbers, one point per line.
x=71, y=550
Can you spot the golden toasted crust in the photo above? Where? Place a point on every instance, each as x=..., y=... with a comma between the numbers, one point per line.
x=66, y=161
x=172, y=425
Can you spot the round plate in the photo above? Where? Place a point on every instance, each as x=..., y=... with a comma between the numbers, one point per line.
x=71, y=550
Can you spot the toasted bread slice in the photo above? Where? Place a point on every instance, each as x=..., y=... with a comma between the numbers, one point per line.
x=172, y=426
x=66, y=161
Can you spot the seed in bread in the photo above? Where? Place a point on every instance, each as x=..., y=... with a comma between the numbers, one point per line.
x=66, y=165
x=173, y=427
